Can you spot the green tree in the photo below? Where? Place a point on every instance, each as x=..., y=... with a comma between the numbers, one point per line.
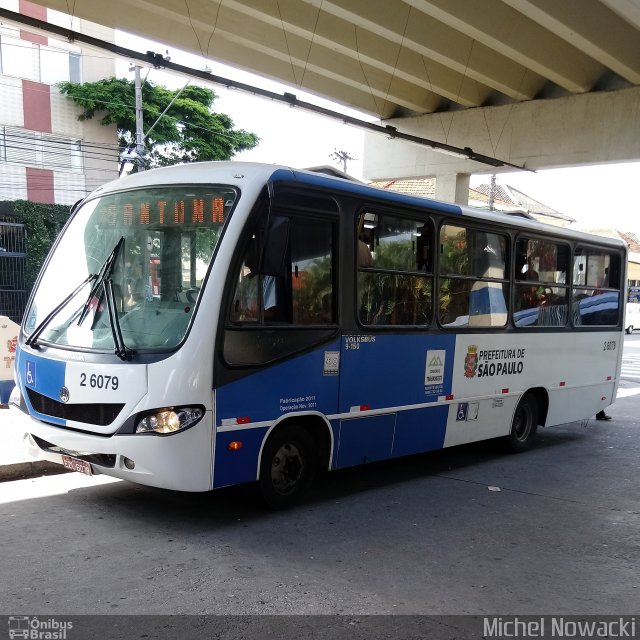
x=189, y=131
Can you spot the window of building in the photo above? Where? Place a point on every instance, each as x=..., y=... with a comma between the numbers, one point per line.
x=75, y=68
x=395, y=272
x=22, y=147
x=35, y=149
x=541, y=293
x=18, y=57
x=49, y=64
x=473, y=288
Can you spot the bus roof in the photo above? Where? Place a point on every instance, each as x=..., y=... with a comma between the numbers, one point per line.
x=236, y=173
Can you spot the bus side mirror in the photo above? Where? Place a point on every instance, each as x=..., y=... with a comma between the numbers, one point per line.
x=276, y=240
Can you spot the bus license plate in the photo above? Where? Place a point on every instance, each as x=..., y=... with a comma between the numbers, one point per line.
x=74, y=464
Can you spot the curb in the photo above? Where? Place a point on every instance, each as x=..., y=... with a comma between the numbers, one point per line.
x=25, y=470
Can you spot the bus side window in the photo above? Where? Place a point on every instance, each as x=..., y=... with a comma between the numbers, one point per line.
x=245, y=298
x=312, y=271
x=541, y=293
x=596, y=299
x=294, y=281
x=473, y=278
x=395, y=283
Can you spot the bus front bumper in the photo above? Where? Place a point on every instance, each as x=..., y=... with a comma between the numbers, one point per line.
x=180, y=461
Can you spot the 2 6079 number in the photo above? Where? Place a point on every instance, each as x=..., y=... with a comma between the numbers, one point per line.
x=98, y=381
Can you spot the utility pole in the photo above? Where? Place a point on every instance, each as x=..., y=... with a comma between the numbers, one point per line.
x=342, y=156
x=492, y=192
x=140, y=149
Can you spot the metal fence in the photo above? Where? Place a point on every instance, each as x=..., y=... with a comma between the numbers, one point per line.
x=13, y=262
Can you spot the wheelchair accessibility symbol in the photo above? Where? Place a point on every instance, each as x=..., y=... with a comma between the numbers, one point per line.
x=31, y=373
x=463, y=409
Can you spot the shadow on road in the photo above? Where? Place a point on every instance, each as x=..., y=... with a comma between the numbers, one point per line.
x=242, y=503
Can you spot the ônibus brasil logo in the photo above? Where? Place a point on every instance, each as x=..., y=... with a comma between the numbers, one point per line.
x=35, y=628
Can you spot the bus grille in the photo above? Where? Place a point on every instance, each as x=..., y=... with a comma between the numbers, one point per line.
x=98, y=414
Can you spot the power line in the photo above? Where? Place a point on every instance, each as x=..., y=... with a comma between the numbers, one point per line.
x=37, y=149
x=53, y=143
x=38, y=144
x=157, y=61
x=132, y=107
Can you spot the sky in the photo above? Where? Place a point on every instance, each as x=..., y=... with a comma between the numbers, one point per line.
x=597, y=197
x=601, y=196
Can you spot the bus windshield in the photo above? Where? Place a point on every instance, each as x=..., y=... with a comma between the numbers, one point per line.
x=129, y=269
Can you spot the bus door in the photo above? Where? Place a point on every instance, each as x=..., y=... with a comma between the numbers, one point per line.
x=282, y=337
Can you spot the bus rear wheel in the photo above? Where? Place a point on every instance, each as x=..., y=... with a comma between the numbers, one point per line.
x=525, y=424
x=287, y=467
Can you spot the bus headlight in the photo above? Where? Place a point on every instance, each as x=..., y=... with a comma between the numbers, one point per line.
x=169, y=420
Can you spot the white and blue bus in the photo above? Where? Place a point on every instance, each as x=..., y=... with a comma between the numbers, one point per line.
x=206, y=325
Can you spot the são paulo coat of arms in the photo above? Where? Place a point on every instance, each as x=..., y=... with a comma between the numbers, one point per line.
x=471, y=361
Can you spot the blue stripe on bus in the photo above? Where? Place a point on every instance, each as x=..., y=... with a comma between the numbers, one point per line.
x=234, y=467
x=391, y=435
x=380, y=372
x=285, y=387
x=390, y=370
x=420, y=430
x=43, y=375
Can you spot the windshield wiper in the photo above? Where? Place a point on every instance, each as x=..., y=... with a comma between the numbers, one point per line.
x=105, y=272
x=121, y=349
x=103, y=280
x=32, y=340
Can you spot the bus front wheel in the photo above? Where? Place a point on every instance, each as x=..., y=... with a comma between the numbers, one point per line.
x=525, y=424
x=287, y=467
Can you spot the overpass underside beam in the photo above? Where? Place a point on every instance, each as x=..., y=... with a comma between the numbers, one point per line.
x=594, y=128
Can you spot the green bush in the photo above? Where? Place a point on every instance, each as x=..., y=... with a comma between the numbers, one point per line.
x=43, y=223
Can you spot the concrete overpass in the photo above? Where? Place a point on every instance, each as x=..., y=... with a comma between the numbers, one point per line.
x=540, y=83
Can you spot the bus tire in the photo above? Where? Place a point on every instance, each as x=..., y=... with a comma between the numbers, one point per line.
x=287, y=467
x=630, y=329
x=524, y=425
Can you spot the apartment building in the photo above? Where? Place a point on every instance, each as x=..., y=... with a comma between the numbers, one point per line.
x=46, y=154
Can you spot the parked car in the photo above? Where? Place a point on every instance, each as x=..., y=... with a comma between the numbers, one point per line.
x=632, y=316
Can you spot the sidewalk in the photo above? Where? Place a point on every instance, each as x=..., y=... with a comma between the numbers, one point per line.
x=15, y=462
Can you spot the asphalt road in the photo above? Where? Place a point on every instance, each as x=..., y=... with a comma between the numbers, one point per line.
x=469, y=530
x=427, y=535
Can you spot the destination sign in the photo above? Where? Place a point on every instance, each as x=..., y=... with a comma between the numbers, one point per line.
x=162, y=210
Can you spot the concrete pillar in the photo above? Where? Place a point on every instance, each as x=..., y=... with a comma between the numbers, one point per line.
x=453, y=187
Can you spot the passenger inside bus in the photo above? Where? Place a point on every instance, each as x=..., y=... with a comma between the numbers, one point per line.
x=135, y=286
x=531, y=273
x=365, y=259
x=530, y=294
